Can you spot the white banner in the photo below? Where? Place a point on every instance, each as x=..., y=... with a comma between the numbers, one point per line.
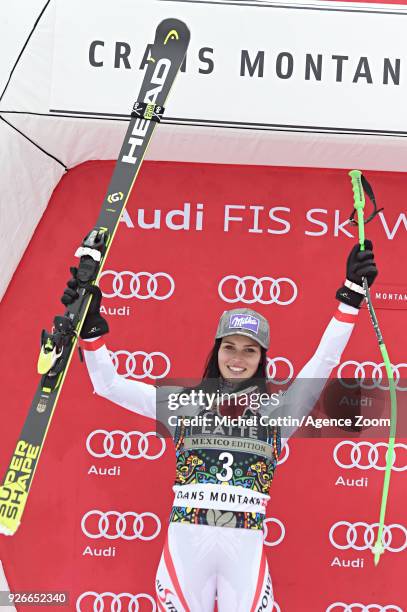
x=335, y=67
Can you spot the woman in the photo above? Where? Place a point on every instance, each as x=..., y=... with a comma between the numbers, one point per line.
x=214, y=546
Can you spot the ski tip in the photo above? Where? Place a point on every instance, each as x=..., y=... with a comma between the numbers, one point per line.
x=174, y=30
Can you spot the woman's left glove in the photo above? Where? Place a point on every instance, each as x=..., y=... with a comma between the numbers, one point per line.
x=360, y=264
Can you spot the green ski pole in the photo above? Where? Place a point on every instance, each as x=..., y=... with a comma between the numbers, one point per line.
x=359, y=205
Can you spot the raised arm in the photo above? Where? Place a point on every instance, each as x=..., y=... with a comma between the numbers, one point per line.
x=134, y=395
x=304, y=392
x=131, y=394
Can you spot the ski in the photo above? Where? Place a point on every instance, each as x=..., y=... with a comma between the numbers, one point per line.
x=57, y=347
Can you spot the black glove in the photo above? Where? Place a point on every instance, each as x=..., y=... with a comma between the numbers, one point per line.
x=360, y=264
x=94, y=324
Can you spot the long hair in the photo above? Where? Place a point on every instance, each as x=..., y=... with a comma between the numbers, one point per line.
x=211, y=374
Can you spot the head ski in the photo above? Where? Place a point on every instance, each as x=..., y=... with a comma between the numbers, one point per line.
x=167, y=54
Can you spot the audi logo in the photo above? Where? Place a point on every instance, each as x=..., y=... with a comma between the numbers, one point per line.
x=362, y=536
x=150, y=362
x=250, y=289
x=366, y=455
x=141, y=285
x=339, y=606
x=369, y=375
x=284, y=454
x=115, y=602
x=112, y=525
x=118, y=444
x=272, y=370
x=266, y=526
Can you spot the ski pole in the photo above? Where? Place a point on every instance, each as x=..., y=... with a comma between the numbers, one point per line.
x=359, y=185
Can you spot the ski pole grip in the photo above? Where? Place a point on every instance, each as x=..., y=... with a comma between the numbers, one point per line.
x=359, y=204
x=358, y=193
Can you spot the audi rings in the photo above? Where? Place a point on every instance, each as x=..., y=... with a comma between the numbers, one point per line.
x=352, y=455
x=339, y=606
x=376, y=378
x=113, y=525
x=266, y=524
x=345, y=539
x=147, y=366
x=107, y=441
x=159, y=286
x=250, y=289
x=272, y=370
x=285, y=453
x=119, y=602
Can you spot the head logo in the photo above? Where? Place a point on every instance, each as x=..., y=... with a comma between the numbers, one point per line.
x=115, y=197
x=172, y=35
x=136, y=140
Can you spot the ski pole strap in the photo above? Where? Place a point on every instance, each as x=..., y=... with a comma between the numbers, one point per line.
x=93, y=253
x=354, y=287
x=146, y=110
x=360, y=186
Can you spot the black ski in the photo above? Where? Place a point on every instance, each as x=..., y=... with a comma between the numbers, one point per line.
x=167, y=54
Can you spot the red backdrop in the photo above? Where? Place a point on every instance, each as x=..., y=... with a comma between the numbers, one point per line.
x=310, y=572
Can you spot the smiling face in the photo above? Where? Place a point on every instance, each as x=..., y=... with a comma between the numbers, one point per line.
x=238, y=357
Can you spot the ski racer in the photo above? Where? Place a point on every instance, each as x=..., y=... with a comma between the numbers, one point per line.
x=214, y=546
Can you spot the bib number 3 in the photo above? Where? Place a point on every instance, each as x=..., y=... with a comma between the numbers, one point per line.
x=227, y=472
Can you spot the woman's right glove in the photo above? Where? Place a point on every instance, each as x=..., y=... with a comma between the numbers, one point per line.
x=94, y=324
x=360, y=264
